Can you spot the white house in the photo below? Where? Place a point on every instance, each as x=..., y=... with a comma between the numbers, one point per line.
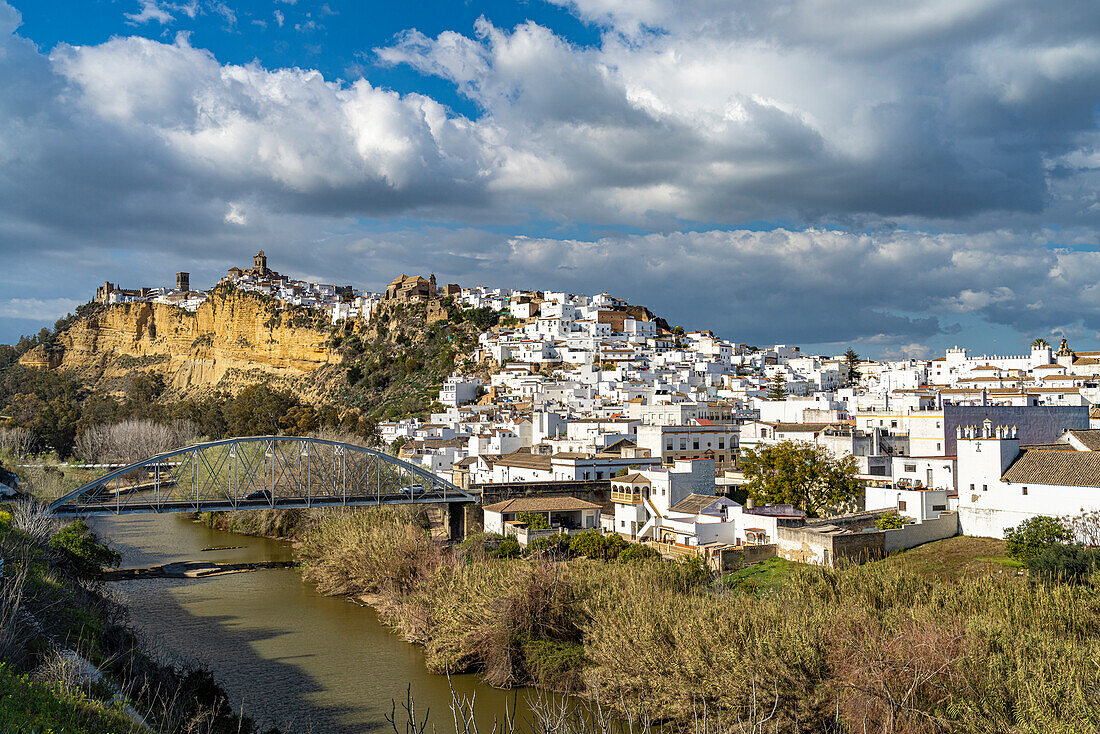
x=1001, y=485
x=562, y=514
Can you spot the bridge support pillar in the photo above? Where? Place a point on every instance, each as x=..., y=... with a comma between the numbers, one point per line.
x=456, y=520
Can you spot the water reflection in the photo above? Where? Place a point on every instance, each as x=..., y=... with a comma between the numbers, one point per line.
x=288, y=656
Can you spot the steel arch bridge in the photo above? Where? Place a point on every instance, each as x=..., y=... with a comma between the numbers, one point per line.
x=258, y=472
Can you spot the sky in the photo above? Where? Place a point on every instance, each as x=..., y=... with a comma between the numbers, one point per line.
x=897, y=176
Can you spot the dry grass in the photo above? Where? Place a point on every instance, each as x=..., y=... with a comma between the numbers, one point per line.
x=956, y=558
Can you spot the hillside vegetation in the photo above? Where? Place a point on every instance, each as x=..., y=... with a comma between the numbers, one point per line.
x=107, y=364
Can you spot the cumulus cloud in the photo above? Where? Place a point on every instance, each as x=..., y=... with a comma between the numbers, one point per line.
x=932, y=161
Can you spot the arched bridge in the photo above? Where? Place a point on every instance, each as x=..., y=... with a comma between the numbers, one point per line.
x=258, y=472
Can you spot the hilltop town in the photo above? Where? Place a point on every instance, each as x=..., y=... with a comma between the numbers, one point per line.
x=602, y=416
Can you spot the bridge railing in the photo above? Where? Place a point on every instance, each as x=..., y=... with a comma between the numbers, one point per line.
x=257, y=472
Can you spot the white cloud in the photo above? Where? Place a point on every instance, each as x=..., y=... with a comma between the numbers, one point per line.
x=150, y=10
x=935, y=143
x=236, y=214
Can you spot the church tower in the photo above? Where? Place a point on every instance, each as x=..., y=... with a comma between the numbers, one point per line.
x=259, y=263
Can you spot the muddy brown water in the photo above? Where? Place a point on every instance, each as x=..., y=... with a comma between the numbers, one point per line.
x=288, y=656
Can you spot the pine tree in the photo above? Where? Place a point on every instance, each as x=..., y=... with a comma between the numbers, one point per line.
x=777, y=390
x=851, y=368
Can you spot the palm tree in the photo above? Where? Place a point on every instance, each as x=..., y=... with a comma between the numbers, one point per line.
x=1040, y=343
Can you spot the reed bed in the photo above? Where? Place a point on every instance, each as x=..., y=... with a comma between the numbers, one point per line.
x=869, y=648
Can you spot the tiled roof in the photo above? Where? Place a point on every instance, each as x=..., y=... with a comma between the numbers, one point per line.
x=525, y=460
x=635, y=478
x=1070, y=468
x=1089, y=438
x=541, y=504
x=693, y=504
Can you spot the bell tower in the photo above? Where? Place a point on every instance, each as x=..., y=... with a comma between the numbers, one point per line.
x=259, y=262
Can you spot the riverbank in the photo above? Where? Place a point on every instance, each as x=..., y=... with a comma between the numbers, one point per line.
x=873, y=646
x=69, y=662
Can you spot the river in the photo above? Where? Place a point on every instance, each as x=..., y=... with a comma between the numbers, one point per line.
x=288, y=656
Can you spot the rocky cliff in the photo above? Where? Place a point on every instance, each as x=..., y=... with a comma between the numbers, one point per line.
x=231, y=340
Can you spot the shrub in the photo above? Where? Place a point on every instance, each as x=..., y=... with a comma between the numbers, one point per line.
x=1032, y=536
x=79, y=545
x=1070, y=564
x=5, y=519
x=593, y=544
x=555, y=545
x=890, y=521
x=637, y=552
x=508, y=548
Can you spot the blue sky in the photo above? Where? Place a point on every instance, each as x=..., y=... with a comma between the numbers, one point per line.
x=896, y=176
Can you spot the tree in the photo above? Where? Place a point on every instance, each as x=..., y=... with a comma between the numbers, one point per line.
x=800, y=474
x=1040, y=343
x=777, y=390
x=533, y=520
x=1033, y=536
x=851, y=368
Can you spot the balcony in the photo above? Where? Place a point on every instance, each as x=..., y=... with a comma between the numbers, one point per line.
x=625, y=497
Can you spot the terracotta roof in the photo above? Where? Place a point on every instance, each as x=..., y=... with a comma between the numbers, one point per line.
x=541, y=504
x=803, y=427
x=693, y=504
x=1071, y=468
x=635, y=478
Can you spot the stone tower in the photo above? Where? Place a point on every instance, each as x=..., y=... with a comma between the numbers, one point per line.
x=431, y=286
x=183, y=282
x=259, y=262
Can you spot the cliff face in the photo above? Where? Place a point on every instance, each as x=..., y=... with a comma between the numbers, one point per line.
x=230, y=334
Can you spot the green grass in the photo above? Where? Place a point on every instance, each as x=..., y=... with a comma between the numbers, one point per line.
x=955, y=558
x=37, y=708
x=764, y=576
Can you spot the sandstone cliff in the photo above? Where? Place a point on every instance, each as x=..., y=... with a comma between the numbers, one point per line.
x=232, y=339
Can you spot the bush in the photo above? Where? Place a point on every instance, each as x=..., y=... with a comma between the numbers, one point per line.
x=508, y=548
x=554, y=545
x=80, y=546
x=593, y=544
x=637, y=552
x=1070, y=564
x=1033, y=536
x=890, y=521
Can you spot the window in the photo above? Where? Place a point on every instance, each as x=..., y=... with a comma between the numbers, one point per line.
x=984, y=487
x=901, y=505
x=971, y=487
x=910, y=467
x=939, y=508
x=893, y=424
x=695, y=444
x=721, y=443
x=683, y=444
x=668, y=445
x=938, y=447
x=623, y=524
x=1025, y=490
